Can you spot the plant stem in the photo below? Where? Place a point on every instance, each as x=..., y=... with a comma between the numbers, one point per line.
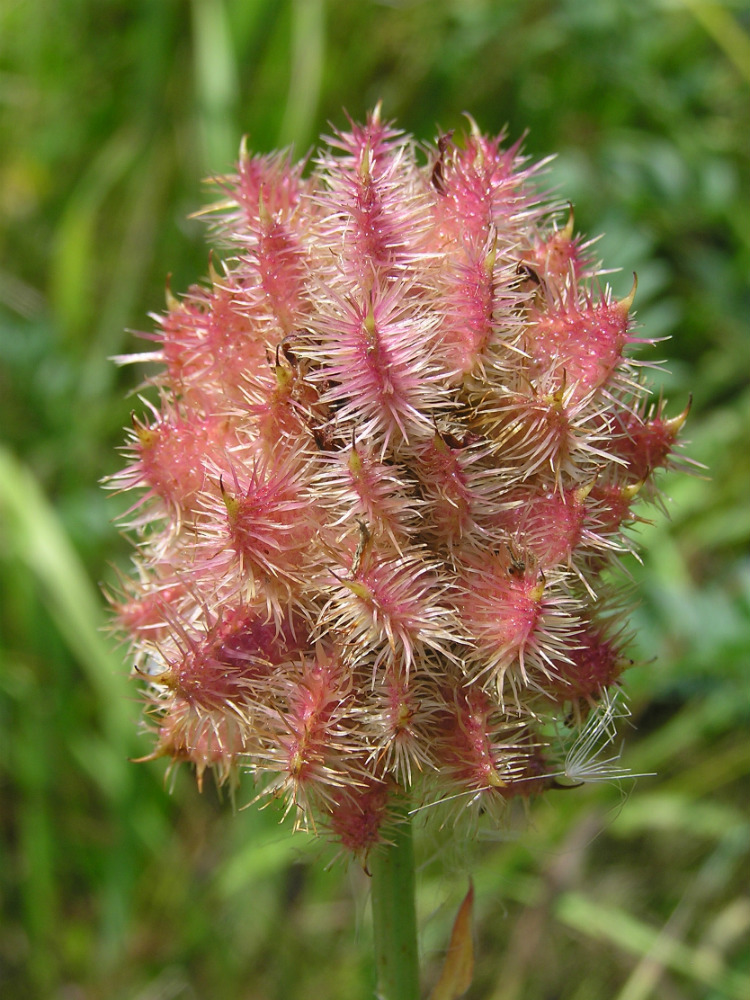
x=394, y=914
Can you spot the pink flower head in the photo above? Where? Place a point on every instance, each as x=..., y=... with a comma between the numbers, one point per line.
x=395, y=446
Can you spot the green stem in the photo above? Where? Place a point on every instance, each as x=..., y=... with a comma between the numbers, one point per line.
x=394, y=915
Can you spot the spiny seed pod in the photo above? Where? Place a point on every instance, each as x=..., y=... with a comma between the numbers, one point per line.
x=397, y=441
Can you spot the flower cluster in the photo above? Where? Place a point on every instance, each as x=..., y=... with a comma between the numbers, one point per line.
x=395, y=450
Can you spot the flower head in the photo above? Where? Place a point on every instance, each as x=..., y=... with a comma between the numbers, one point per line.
x=396, y=444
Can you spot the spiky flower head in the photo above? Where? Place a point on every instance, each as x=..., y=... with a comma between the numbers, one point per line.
x=395, y=448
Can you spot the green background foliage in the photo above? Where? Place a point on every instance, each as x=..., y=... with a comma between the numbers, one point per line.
x=116, y=885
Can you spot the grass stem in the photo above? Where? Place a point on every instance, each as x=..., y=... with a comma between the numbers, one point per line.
x=394, y=915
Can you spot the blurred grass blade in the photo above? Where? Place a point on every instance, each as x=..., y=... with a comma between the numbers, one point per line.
x=36, y=535
x=258, y=859
x=145, y=191
x=677, y=813
x=308, y=44
x=215, y=84
x=609, y=923
x=725, y=30
x=74, y=257
x=715, y=873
